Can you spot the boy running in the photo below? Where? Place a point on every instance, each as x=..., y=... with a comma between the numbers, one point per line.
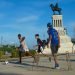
x=39, y=43
x=54, y=42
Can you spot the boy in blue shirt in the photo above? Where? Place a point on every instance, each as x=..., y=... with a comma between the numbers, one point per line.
x=54, y=42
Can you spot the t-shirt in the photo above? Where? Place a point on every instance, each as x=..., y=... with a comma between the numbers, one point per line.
x=39, y=42
x=23, y=46
x=54, y=34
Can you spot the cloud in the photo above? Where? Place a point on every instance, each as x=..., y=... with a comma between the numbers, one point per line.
x=27, y=19
x=10, y=26
x=72, y=24
x=70, y=28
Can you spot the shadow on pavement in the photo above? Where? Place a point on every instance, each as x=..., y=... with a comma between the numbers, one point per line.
x=28, y=65
x=71, y=60
x=9, y=74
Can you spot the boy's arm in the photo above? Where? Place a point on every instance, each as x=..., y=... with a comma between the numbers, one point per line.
x=50, y=37
x=23, y=38
x=59, y=40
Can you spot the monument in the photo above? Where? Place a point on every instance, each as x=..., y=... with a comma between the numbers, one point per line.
x=57, y=22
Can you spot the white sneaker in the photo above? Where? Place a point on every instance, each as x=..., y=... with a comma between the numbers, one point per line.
x=57, y=68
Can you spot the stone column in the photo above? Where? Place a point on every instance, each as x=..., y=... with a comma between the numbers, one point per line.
x=54, y=23
x=58, y=23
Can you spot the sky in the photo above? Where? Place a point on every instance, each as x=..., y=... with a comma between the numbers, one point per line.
x=29, y=17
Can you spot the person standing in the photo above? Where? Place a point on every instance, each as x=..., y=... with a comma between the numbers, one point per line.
x=54, y=43
x=22, y=48
x=39, y=43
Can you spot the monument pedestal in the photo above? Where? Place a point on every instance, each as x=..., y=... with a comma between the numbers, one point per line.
x=65, y=41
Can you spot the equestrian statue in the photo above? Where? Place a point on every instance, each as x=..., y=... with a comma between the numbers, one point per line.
x=55, y=8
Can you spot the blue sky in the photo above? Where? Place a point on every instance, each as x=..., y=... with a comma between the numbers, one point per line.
x=29, y=17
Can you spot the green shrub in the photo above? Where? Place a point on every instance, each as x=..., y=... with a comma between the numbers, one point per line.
x=33, y=52
x=14, y=54
x=27, y=54
x=1, y=54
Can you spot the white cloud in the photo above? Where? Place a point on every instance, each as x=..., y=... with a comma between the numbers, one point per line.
x=72, y=24
x=70, y=28
x=10, y=26
x=28, y=18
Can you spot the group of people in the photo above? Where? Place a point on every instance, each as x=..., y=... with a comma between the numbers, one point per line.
x=53, y=42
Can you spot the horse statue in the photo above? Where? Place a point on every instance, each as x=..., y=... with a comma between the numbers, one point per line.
x=55, y=8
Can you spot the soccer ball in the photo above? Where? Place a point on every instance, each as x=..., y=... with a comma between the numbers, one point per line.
x=6, y=62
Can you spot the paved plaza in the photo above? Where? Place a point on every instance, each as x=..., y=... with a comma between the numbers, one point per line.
x=45, y=67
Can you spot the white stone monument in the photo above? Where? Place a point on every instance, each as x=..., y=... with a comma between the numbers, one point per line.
x=65, y=40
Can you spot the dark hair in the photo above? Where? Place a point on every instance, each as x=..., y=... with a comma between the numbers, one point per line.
x=19, y=35
x=49, y=25
x=36, y=34
x=23, y=38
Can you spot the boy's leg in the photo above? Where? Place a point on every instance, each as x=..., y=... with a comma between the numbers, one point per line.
x=39, y=50
x=55, y=59
x=20, y=56
x=54, y=53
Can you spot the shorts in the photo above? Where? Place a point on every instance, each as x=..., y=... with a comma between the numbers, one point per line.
x=54, y=49
x=40, y=49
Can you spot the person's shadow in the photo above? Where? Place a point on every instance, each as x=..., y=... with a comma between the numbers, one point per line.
x=9, y=74
x=26, y=64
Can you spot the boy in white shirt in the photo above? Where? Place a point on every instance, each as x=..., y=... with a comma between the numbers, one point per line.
x=23, y=47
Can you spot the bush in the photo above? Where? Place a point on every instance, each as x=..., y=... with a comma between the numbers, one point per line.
x=14, y=54
x=33, y=52
x=28, y=54
x=1, y=54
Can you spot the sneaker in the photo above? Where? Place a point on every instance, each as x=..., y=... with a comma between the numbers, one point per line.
x=57, y=66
